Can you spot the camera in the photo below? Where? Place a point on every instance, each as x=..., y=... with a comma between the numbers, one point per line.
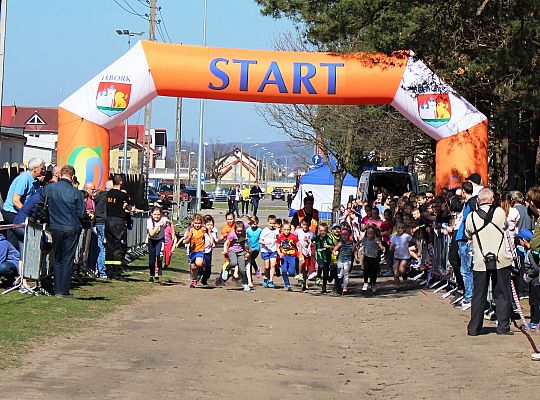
x=490, y=260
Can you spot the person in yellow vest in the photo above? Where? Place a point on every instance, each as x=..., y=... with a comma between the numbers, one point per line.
x=245, y=199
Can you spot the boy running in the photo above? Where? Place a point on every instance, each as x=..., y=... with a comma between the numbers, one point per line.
x=323, y=253
x=254, y=235
x=305, y=237
x=289, y=250
x=195, y=237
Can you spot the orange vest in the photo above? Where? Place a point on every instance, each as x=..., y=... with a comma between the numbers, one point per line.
x=314, y=221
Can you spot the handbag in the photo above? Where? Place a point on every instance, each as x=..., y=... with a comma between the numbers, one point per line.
x=41, y=214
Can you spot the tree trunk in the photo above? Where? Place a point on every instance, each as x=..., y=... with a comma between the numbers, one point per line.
x=339, y=177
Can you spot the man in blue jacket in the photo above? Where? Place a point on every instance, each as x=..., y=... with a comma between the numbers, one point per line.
x=66, y=209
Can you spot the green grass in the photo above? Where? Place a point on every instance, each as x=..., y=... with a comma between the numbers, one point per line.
x=26, y=319
x=224, y=206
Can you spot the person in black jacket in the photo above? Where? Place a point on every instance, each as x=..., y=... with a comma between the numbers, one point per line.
x=100, y=217
x=65, y=205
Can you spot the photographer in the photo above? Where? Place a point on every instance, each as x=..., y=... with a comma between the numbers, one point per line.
x=485, y=228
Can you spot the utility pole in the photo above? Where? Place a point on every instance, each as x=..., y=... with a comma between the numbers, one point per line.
x=148, y=107
x=178, y=152
x=3, y=16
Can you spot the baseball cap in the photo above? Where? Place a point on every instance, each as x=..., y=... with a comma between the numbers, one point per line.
x=475, y=178
x=525, y=234
x=336, y=225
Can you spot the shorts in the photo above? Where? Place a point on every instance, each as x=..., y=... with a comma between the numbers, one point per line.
x=194, y=255
x=401, y=259
x=267, y=256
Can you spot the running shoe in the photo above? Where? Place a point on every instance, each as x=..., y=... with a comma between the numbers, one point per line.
x=271, y=284
x=224, y=274
x=373, y=288
x=312, y=276
x=193, y=284
x=156, y=278
x=532, y=326
x=304, y=287
x=345, y=291
x=151, y=279
x=298, y=277
x=287, y=288
x=301, y=282
x=465, y=305
x=318, y=281
x=246, y=288
x=365, y=287
x=265, y=282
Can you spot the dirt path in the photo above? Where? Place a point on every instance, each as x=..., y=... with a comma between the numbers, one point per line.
x=268, y=344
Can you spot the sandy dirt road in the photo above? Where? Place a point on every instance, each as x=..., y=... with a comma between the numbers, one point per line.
x=222, y=343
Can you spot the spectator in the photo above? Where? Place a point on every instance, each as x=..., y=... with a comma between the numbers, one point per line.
x=476, y=181
x=89, y=202
x=524, y=221
x=255, y=194
x=485, y=227
x=23, y=186
x=245, y=194
x=9, y=263
x=115, y=227
x=55, y=174
x=234, y=198
x=66, y=210
x=100, y=200
x=75, y=182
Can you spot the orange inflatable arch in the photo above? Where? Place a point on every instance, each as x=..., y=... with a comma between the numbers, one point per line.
x=150, y=69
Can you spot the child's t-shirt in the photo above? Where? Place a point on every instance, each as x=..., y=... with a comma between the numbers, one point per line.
x=288, y=244
x=387, y=226
x=371, y=248
x=401, y=251
x=151, y=224
x=322, y=252
x=197, y=242
x=208, y=240
x=305, y=239
x=254, y=236
x=269, y=240
x=226, y=230
x=236, y=243
x=345, y=251
x=168, y=233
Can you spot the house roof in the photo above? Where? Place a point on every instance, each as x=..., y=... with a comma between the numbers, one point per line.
x=18, y=117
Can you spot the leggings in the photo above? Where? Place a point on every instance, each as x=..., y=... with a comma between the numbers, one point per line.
x=344, y=267
x=253, y=259
x=323, y=269
x=154, y=253
x=237, y=259
x=371, y=269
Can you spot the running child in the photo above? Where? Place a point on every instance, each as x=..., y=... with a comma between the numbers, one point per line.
x=289, y=250
x=305, y=238
x=373, y=248
x=334, y=235
x=210, y=241
x=171, y=241
x=400, y=244
x=344, y=251
x=229, y=226
x=194, y=236
x=238, y=250
x=155, y=227
x=323, y=253
x=254, y=235
x=268, y=241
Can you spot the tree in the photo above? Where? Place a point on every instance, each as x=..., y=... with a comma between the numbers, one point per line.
x=488, y=51
x=215, y=160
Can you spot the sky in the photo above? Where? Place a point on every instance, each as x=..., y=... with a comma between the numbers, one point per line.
x=54, y=47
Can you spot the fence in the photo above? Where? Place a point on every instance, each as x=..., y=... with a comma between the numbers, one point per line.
x=37, y=264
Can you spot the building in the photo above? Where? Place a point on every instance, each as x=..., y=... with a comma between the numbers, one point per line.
x=39, y=127
x=12, y=143
x=237, y=167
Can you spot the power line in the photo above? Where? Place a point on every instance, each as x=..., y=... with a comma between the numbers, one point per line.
x=129, y=11
x=132, y=9
x=158, y=26
x=144, y=3
x=164, y=26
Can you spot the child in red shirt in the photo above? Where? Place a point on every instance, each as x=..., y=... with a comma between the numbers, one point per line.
x=289, y=251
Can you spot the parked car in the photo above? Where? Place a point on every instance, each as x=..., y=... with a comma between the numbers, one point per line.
x=166, y=187
x=153, y=195
x=207, y=201
x=278, y=193
x=220, y=194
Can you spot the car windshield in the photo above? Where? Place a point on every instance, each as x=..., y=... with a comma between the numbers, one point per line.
x=166, y=187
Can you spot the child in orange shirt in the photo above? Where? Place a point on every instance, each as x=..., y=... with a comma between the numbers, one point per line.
x=195, y=237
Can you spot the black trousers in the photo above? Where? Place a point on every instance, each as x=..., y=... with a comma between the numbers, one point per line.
x=323, y=269
x=502, y=294
x=255, y=205
x=245, y=207
x=534, y=302
x=371, y=269
x=155, y=259
x=253, y=259
x=455, y=262
x=115, y=229
x=64, y=246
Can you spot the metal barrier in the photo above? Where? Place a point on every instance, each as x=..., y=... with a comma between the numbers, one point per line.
x=37, y=264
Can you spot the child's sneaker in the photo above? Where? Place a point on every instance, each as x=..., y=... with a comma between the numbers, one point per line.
x=373, y=288
x=270, y=284
x=345, y=291
x=288, y=288
x=324, y=289
x=193, y=284
x=246, y=288
x=532, y=326
x=301, y=282
x=318, y=281
x=265, y=282
x=365, y=287
x=224, y=274
x=312, y=276
x=304, y=287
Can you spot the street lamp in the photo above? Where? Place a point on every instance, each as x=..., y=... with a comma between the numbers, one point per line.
x=242, y=157
x=257, y=161
x=129, y=34
x=264, y=166
x=249, y=162
x=182, y=151
x=191, y=153
x=204, y=163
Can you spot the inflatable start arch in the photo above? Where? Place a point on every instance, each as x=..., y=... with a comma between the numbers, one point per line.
x=150, y=69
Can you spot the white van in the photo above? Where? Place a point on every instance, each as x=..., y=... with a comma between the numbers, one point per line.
x=395, y=181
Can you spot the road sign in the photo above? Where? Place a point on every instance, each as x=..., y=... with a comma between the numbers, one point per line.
x=316, y=159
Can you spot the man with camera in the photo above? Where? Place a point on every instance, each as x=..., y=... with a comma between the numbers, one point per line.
x=485, y=228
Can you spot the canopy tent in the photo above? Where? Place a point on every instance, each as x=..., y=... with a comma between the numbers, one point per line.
x=320, y=181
